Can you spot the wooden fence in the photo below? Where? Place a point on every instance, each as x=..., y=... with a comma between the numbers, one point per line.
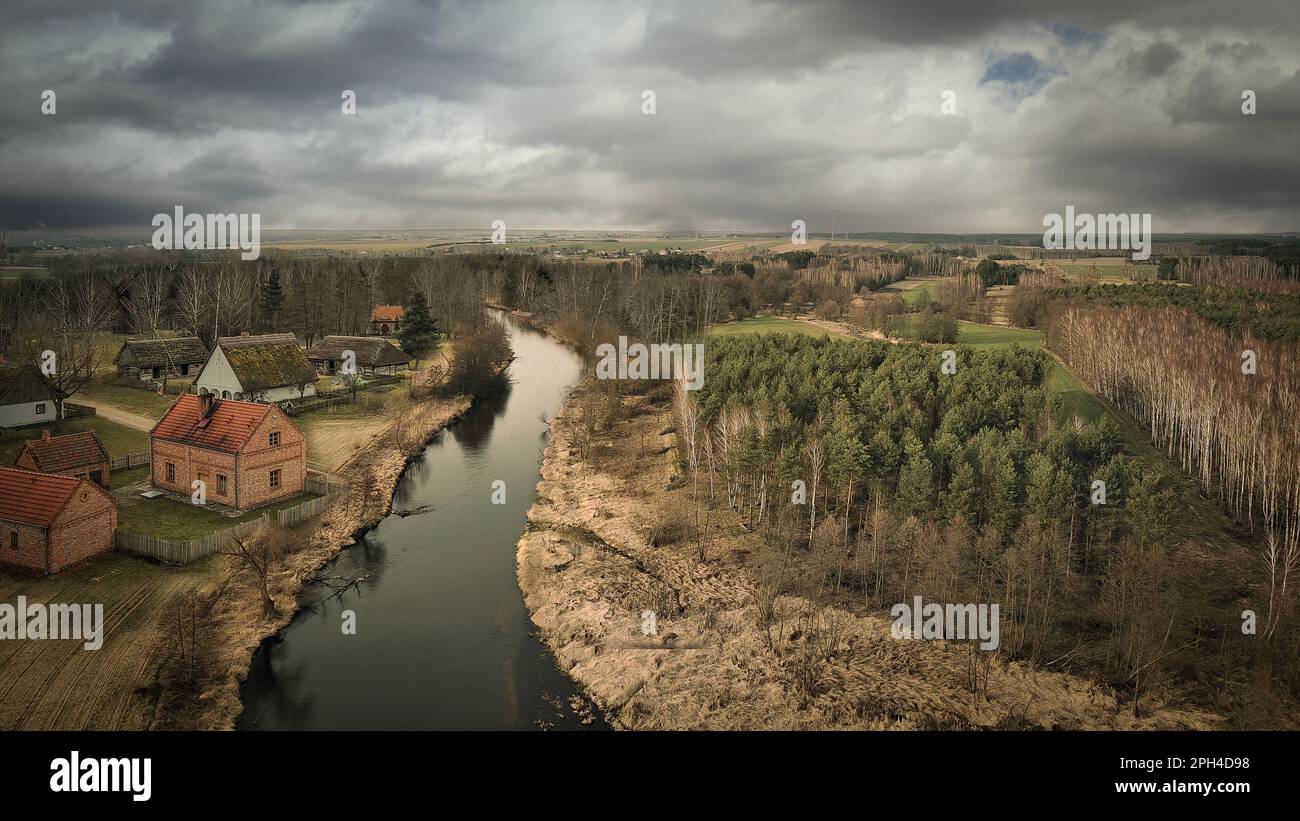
x=173, y=551
x=71, y=410
x=130, y=460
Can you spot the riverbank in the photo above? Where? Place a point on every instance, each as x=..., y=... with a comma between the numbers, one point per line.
x=235, y=626
x=615, y=532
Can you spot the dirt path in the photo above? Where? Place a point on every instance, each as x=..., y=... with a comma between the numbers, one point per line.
x=121, y=417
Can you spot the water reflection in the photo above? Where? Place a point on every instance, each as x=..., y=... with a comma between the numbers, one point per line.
x=442, y=638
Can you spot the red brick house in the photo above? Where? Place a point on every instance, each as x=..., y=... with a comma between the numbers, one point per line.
x=247, y=454
x=386, y=319
x=73, y=454
x=50, y=522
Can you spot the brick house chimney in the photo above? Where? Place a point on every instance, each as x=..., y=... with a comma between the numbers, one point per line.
x=207, y=402
x=45, y=436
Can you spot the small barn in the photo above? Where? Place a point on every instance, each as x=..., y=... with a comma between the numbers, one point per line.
x=50, y=522
x=369, y=354
x=386, y=319
x=73, y=454
x=154, y=359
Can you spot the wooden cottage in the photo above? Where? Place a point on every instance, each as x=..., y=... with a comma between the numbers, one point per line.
x=24, y=397
x=265, y=368
x=156, y=359
x=369, y=354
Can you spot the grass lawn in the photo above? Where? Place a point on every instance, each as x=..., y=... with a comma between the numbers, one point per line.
x=768, y=325
x=923, y=293
x=168, y=518
x=997, y=336
x=119, y=439
x=1106, y=271
x=145, y=403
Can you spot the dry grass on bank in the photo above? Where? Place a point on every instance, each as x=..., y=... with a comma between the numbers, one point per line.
x=615, y=532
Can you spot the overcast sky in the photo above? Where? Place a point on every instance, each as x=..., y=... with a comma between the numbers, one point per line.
x=531, y=113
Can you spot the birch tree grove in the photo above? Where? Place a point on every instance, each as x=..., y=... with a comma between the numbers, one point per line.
x=1222, y=406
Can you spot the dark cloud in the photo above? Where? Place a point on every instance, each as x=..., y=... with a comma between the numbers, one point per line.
x=469, y=112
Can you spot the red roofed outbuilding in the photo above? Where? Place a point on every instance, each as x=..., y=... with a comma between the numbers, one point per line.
x=50, y=522
x=247, y=454
x=73, y=454
x=386, y=319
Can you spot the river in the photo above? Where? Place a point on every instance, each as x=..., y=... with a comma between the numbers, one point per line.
x=442, y=638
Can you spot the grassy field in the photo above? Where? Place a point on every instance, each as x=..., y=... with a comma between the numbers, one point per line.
x=335, y=433
x=1105, y=269
x=168, y=518
x=119, y=439
x=767, y=324
x=997, y=336
x=145, y=403
x=58, y=685
x=16, y=272
x=916, y=292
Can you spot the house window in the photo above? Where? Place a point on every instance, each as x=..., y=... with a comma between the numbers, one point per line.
x=275, y=478
x=171, y=472
x=13, y=539
x=275, y=439
x=185, y=370
x=40, y=408
x=157, y=372
x=221, y=484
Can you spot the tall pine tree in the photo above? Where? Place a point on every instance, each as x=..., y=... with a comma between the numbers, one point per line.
x=419, y=332
x=272, y=301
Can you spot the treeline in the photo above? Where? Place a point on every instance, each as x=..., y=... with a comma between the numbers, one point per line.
x=311, y=296
x=958, y=488
x=1266, y=314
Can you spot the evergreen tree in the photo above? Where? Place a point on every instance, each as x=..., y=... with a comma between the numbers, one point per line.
x=419, y=331
x=272, y=300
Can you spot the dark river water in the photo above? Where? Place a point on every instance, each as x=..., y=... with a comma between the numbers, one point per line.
x=442, y=638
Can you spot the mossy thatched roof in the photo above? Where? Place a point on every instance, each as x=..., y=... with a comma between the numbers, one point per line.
x=265, y=366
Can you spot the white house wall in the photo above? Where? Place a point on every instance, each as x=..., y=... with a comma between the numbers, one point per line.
x=218, y=376
x=24, y=413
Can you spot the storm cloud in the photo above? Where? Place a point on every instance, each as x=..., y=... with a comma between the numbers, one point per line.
x=765, y=112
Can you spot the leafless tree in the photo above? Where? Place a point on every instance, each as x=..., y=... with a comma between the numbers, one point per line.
x=259, y=554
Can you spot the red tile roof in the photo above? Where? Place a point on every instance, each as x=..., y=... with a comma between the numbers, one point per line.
x=34, y=498
x=59, y=454
x=227, y=428
x=386, y=313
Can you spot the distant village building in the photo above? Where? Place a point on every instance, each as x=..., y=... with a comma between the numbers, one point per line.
x=48, y=522
x=146, y=359
x=372, y=355
x=24, y=397
x=73, y=454
x=265, y=368
x=386, y=319
x=246, y=454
